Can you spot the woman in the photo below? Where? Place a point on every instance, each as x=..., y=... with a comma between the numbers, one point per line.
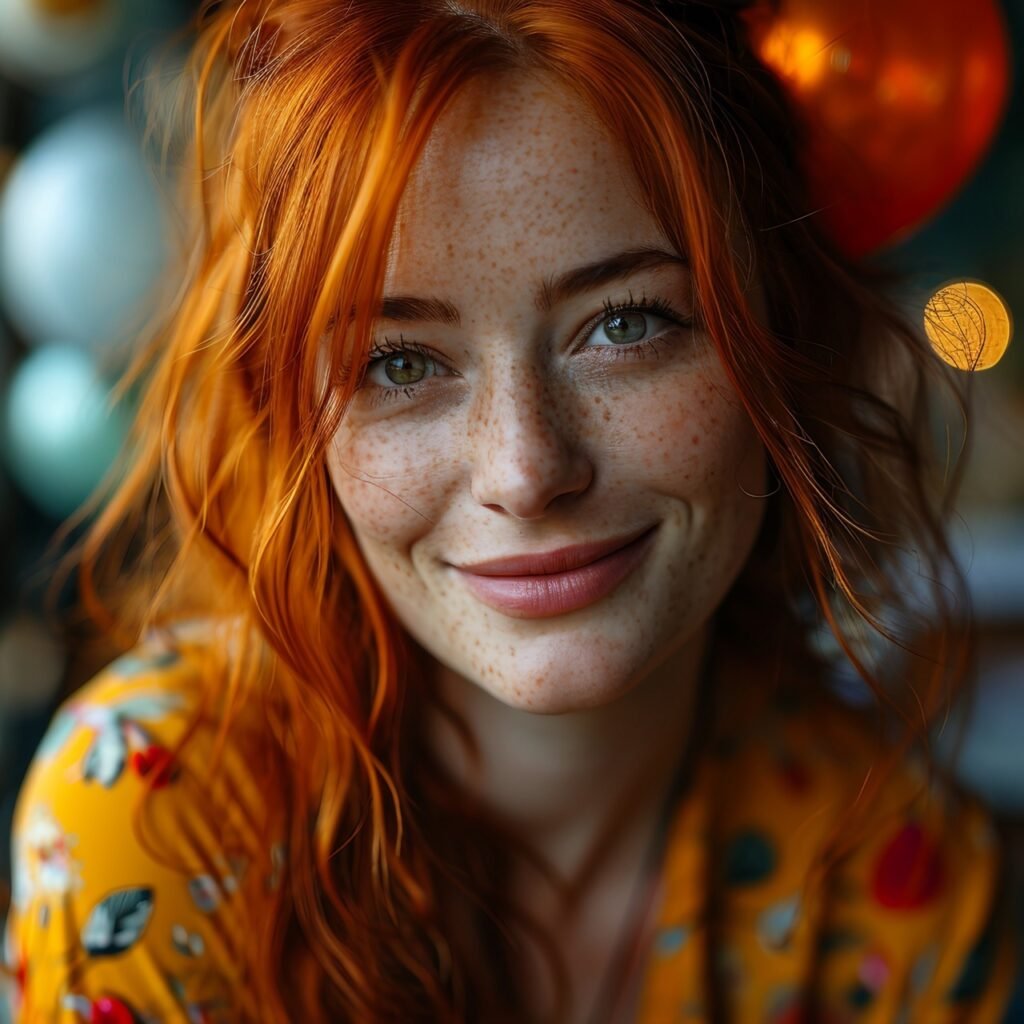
x=511, y=438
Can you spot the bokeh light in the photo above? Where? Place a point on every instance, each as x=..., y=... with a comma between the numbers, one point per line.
x=59, y=435
x=968, y=325
x=81, y=232
x=44, y=41
x=900, y=98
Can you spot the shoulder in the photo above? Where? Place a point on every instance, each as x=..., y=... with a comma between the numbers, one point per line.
x=907, y=922
x=127, y=722
x=103, y=727
x=916, y=923
x=136, y=712
x=136, y=870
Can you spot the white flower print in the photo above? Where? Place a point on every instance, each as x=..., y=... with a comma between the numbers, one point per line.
x=43, y=862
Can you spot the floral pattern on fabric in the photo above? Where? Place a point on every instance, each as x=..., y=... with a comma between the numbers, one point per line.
x=101, y=928
x=908, y=929
x=117, y=731
x=44, y=864
x=117, y=921
x=906, y=932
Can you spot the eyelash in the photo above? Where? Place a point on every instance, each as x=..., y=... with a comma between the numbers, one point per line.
x=635, y=350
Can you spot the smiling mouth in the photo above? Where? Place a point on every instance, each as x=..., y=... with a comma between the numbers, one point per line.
x=539, y=595
x=560, y=560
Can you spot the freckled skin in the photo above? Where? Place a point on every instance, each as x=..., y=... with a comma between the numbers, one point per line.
x=526, y=444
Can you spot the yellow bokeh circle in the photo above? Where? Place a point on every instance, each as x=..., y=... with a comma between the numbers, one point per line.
x=968, y=325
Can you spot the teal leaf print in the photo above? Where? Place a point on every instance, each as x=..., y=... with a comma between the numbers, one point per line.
x=114, y=725
x=149, y=706
x=750, y=858
x=105, y=758
x=776, y=924
x=117, y=922
x=671, y=940
x=134, y=664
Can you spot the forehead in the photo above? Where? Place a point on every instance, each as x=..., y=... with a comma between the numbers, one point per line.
x=519, y=174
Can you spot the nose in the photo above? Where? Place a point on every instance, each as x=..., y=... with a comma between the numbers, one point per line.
x=525, y=450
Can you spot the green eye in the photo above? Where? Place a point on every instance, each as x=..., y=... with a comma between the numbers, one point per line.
x=399, y=371
x=624, y=328
x=400, y=367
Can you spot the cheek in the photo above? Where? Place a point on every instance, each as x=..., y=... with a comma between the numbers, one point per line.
x=390, y=481
x=690, y=436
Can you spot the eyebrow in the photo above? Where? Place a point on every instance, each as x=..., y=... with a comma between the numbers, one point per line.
x=552, y=290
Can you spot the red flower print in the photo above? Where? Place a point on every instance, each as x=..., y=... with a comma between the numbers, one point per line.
x=108, y=1010
x=908, y=873
x=157, y=760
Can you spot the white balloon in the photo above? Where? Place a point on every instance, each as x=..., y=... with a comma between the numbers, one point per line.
x=60, y=435
x=81, y=231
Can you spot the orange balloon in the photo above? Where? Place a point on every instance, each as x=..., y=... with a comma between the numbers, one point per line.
x=901, y=97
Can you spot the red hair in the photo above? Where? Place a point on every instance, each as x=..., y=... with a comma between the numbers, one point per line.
x=308, y=117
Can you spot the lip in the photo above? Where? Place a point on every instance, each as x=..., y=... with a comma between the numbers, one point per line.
x=539, y=595
x=557, y=561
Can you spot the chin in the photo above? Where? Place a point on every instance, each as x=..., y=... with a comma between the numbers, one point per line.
x=551, y=699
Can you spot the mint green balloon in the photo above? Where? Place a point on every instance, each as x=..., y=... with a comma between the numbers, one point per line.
x=59, y=435
x=81, y=233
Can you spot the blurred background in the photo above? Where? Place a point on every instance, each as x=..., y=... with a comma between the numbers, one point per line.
x=83, y=232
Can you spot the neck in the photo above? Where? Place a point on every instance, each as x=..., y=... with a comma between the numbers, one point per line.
x=584, y=788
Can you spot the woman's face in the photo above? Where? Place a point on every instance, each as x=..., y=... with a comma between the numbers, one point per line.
x=529, y=419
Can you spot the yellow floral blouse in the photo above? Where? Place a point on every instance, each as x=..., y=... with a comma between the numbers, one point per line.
x=103, y=929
